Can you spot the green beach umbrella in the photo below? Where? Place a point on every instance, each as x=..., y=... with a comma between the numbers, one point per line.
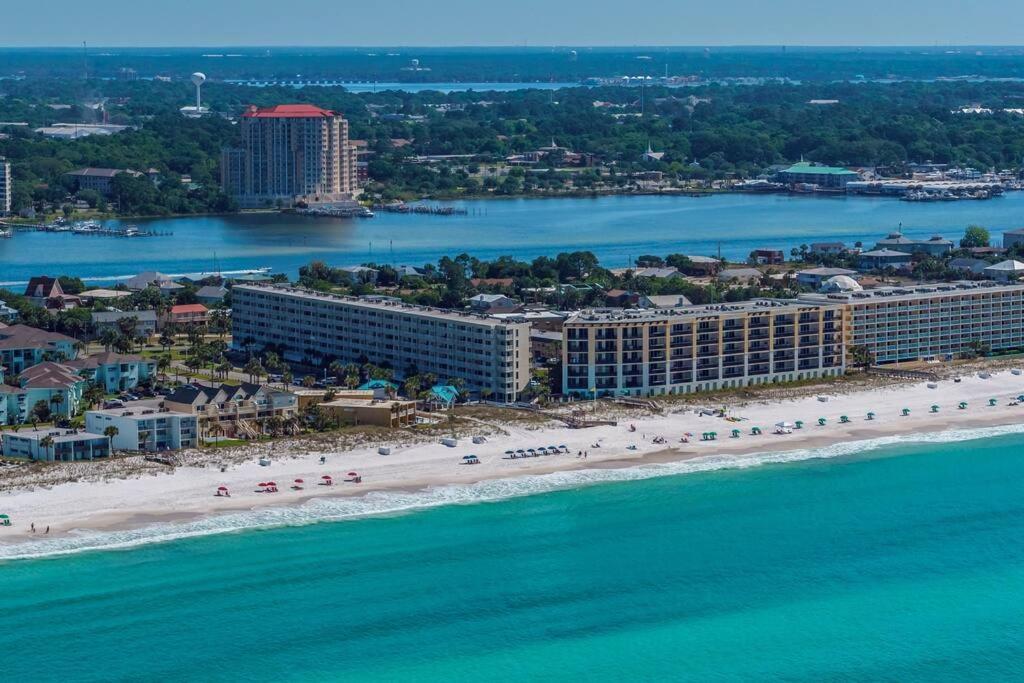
x=799, y=424
x=991, y=401
x=713, y=435
x=963, y=405
x=906, y=411
x=4, y=517
x=871, y=416
x=821, y=421
x=735, y=433
x=844, y=418
x=935, y=409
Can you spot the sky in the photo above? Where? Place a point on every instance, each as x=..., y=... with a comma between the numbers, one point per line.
x=510, y=22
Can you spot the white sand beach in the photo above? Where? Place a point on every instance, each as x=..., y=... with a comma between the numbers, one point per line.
x=188, y=492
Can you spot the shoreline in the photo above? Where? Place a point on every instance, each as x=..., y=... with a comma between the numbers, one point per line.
x=428, y=470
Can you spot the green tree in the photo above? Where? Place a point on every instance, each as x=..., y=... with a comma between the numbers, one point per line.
x=975, y=236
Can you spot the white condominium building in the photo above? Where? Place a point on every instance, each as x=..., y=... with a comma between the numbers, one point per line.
x=615, y=352
x=492, y=356
x=6, y=186
x=931, y=321
x=290, y=152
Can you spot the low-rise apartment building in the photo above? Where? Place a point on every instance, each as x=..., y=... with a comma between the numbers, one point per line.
x=55, y=445
x=491, y=355
x=700, y=348
x=115, y=371
x=22, y=347
x=145, y=429
x=931, y=321
x=232, y=410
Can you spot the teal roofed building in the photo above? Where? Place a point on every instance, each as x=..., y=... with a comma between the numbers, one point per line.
x=381, y=388
x=813, y=174
x=443, y=395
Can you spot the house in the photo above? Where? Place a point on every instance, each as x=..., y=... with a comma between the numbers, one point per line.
x=1013, y=238
x=409, y=271
x=22, y=347
x=145, y=428
x=46, y=292
x=621, y=298
x=827, y=248
x=232, y=410
x=98, y=179
x=152, y=278
x=7, y=314
x=933, y=246
x=58, y=385
x=768, y=257
x=813, y=277
x=187, y=315
x=974, y=266
x=361, y=274
x=115, y=372
x=657, y=273
x=1004, y=271
x=742, y=275
x=145, y=322
x=55, y=445
x=702, y=265
x=884, y=258
x=211, y=294
x=663, y=301
x=106, y=295
x=493, y=303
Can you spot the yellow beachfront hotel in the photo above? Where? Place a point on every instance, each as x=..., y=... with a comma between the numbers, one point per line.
x=939, y=321
x=616, y=352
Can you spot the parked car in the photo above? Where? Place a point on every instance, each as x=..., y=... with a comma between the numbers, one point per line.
x=113, y=404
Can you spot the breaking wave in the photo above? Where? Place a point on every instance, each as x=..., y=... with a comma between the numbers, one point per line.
x=392, y=502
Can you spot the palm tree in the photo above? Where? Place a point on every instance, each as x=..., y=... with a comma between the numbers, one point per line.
x=224, y=367
x=45, y=443
x=110, y=432
x=108, y=337
x=254, y=369
x=167, y=338
x=143, y=440
x=287, y=377
x=163, y=362
x=56, y=400
x=308, y=381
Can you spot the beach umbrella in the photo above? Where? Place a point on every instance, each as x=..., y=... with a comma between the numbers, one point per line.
x=871, y=416
x=262, y=483
x=905, y=411
x=222, y=488
x=509, y=452
x=821, y=421
x=713, y=435
x=844, y=418
x=271, y=483
x=356, y=474
x=799, y=424
x=963, y=405
x=326, y=476
x=468, y=457
x=755, y=430
x=299, y=481
x=735, y=433
x=1021, y=398
x=4, y=517
x=935, y=409
x=991, y=401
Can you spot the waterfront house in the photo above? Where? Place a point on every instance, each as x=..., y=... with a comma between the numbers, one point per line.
x=22, y=347
x=827, y=248
x=884, y=258
x=146, y=428
x=933, y=246
x=768, y=257
x=110, y=296
x=46, y=292
x=702, y=265
x=145, y=322
x=361, y=274
x=391, y=413
x=115, y=372
x=62, y=445
x=153, y=278
x=971, y=265
x=187, y=315
x=7, y=314
x=657, y=273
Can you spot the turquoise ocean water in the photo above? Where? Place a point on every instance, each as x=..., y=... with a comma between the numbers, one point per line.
x=903, y=563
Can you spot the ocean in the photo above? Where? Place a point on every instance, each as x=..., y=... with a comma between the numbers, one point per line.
x=617, y=229
x=895, y=560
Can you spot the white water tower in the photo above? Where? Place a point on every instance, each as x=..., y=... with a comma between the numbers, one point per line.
x=198, y=79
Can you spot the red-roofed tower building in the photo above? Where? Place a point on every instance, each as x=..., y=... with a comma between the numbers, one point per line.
x=290, y=152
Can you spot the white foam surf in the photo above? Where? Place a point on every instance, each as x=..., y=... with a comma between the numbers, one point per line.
x=378, y=503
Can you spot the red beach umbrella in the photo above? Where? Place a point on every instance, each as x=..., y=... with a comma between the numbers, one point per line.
x=326, y=476
x=222, y=488
x=262, y=483
x=271, y=483
x=353, y=474
x=299, y=481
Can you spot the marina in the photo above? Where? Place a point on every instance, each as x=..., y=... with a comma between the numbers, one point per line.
x=89, y=228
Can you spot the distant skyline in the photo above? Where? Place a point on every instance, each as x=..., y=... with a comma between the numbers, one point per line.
x=185, y=23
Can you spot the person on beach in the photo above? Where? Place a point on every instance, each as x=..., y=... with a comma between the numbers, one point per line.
x=47, y=529
x=32, y=527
